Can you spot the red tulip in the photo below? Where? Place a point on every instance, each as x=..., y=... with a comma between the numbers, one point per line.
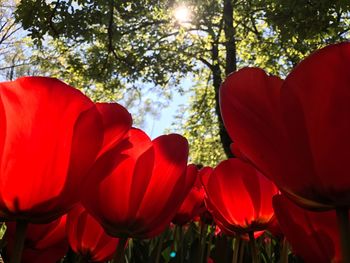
x=204, y=175
x=296, y=131
x=135, y=189
x=275, y=228
x=117, y=122
x=220, y=229
x=205, y=216
x=194, y=201
x=313, y=235
x=50, y=136
x=44, y=243
x=239, y=197
x=87, y=237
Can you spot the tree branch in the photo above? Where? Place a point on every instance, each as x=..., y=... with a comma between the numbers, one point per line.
x=15, y=66
x=52, y=26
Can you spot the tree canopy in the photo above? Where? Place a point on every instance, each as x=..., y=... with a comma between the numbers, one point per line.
x=120, y=50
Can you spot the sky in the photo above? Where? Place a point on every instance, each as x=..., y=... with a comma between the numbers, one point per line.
x=156, y=126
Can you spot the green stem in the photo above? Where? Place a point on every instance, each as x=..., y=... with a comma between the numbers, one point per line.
x=202, y=242
x=269, y=249
x=284, y=253
x=241, y=251
x=176, y=239
x=236, y=245
x=253, y=247
x=130, y=247
x=3, y=240
x=119, y=255
x=21, y=227
x=81, y=259
x=70, y=256
x=344, y=230
x=211, y=236
x=181, y=244
x=159, y=247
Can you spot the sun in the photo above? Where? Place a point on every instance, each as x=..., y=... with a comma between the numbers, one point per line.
x=182, y=14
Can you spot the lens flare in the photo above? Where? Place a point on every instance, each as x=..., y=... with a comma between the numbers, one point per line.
x=182, y=14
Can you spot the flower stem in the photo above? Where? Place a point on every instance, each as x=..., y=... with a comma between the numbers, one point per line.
x=81, y=259
x=344, y=231
x=284, y=253
x=202, y=241
x=3, y=239
x=236, y=245
x=119, y=255
x=253, y=247
x=21, y=227
x=211, y=236
x=181, y=244
x=241, y=251
x=159, y=247
x=130, y=247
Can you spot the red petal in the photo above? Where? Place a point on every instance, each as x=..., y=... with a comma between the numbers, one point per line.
x=169, y=184
x=109, y=196
x=194, y=201
x=315, y=100
x=240, y=197
x=140, y=185
x=42, y=242
x=117, y=122
x=204, y=175
x=50, y=134
x=87, y=237
x=313, y=235
x=250, y=108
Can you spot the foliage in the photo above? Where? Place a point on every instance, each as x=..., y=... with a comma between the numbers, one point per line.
x=122, y=50
x=111, y=41
x=110, y=47
x=282, y=33
x=15, y=62
x=199, y=124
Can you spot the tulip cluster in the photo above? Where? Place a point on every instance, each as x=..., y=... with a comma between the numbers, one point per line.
x=58, y=149
x=78, y=181
x=296, y=133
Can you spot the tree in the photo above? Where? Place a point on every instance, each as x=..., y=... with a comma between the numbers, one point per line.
x=119, y=44
x=15, y=61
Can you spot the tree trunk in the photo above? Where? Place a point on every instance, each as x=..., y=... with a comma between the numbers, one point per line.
x=230, y=44
x=230, y=66
x=217, y=80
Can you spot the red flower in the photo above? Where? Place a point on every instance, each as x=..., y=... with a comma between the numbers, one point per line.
x=194, y=201
x=275, y=228
x=205, y=215
x=50, y=135
x=296, y=131
x=87, y=238
x=44, y=243
x=204, y=175
x=313, y=235
x=135, y=189
x=117, y=122
x=239, y=197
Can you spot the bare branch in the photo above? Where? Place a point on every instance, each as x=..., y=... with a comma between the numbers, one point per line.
x=52, y=26
x=17, y=65
x=206, y=62
x=144, y=25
